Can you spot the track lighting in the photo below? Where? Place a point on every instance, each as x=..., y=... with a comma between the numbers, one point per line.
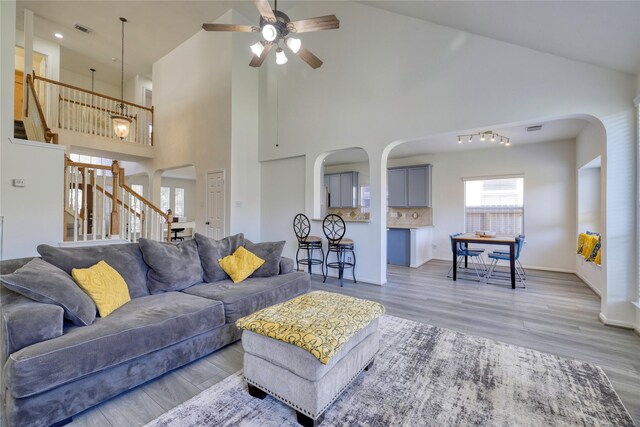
x=483, y=136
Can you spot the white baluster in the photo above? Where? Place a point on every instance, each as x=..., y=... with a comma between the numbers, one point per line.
x=104, y=196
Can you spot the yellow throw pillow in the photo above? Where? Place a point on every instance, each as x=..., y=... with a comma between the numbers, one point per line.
x=590, y=242
x=241, y=264
x=598, y=259
x=581, y=239
x=104, y=285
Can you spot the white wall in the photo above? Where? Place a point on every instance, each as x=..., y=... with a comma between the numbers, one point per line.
x=45, y=47
x=245, y=168
x=589, y=199
x=433, y=79
x=134, y=89
x=84, y=81
x=281, y=200
x=31, y=214
x=193, y=115
x=549, y=196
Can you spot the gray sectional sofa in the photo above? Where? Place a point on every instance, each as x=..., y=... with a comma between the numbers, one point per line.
x=54, y=369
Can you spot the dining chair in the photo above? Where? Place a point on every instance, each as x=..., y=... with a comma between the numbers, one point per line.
x=502, y=251
x=462, y=252
x=504, y=256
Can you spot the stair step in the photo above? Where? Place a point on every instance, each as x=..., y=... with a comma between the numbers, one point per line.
x=19, y=131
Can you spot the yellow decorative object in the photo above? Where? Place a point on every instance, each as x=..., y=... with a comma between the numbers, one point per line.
x=319, y=322
x=590, y=242
x=581, y=239
x=598, y=259
x=104, y=285
x=241, y=264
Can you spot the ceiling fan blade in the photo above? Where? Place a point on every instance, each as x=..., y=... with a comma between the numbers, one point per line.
x=265, y=10
x=309, y=58
x=257, y=61
x=329, y=22
x=230, y=27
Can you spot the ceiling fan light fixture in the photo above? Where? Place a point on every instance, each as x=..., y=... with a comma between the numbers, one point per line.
x=294, y=44
x=281, y=58
x=269, y=32
x=257, y=48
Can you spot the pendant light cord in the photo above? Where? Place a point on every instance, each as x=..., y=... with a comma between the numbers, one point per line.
x=122, y=67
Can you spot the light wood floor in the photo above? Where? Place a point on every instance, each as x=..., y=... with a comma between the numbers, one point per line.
x=557, y=313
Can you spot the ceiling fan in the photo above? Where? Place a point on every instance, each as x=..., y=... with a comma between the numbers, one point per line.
x=276, y=27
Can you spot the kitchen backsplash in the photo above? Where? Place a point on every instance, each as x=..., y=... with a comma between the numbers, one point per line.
x=403, y=216
x=410, y=216
x=350, y=214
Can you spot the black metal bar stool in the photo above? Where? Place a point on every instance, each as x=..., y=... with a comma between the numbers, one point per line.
x=301, y=228
x=334, y=229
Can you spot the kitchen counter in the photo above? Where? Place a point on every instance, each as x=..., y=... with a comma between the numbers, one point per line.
x=364, y=221
x=408, y=227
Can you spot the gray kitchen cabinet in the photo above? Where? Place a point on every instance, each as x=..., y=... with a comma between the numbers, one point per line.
x=397, y=180
x=410, y=187
x=399, y=247
x=343, y=189
x=333, y=183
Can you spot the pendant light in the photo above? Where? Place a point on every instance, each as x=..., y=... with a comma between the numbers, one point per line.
x=121, y=122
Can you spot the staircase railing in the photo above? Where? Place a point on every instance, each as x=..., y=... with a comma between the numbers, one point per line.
x=34, y=120
x=100, y=206
x=79, y=110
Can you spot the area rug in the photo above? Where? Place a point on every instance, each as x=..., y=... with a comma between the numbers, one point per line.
x=428, y=376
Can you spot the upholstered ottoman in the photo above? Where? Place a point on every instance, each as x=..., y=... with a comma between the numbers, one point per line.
x=306, y=351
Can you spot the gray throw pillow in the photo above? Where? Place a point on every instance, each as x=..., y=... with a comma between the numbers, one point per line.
x=172, y=267
x=125, y=258
x=270, y=252
x=46, y=283
x=211, y=250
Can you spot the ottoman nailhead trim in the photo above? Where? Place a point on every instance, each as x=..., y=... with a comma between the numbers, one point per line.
x=304, y=411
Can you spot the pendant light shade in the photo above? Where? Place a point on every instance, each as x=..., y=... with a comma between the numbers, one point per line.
x=269, y=32
x=257, y=49
x=281, y=58
x=294, y=44
x=121, y=126
x=121, y=122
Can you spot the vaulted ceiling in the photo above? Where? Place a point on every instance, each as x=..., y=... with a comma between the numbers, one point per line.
x=604, y=33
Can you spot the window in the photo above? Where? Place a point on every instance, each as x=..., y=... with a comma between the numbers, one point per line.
x=365, y=198
x=495, y=204
x=179, y=202
x=138, y=188
x=165, y=196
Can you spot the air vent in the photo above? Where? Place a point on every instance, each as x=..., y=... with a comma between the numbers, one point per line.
x=83, y=28
x=534, y=128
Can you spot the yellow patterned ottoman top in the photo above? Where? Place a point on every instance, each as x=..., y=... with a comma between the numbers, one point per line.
x=319, y=322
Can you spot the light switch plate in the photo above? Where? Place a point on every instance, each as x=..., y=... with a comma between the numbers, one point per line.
x=19, y=182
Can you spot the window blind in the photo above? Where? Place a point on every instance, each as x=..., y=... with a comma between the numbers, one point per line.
x=495, y=204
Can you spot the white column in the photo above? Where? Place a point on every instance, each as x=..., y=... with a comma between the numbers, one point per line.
x=28, y=54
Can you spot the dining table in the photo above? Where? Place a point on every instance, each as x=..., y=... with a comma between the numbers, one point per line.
x=501, y=240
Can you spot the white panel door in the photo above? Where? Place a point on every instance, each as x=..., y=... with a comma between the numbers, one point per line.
x=215, y=205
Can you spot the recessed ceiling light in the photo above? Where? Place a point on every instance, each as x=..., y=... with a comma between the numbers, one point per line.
x=59, y=36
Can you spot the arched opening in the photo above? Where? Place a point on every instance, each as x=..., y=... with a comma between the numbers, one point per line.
x=546, y=159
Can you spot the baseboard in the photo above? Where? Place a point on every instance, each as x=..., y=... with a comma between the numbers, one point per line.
x=591, y=285
x=616, y=323
x=349, y=278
